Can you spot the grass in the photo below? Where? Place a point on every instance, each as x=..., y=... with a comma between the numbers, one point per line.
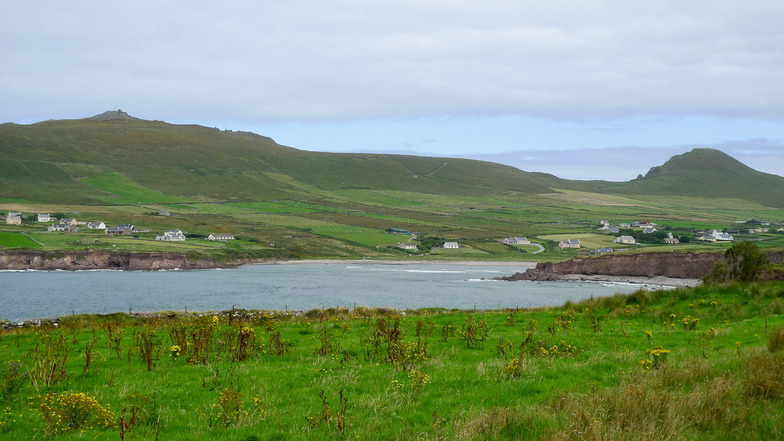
x=16, y=240
x=624, y=367
x=125, y=191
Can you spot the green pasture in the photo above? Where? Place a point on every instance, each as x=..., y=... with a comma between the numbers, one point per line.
x=686, y=364
x=9, y=239
x=126, y=191
x=364, y=236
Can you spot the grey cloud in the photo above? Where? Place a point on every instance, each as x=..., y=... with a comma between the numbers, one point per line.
x=312, y=60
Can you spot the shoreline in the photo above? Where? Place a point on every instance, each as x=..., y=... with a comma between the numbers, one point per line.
x=399, y=262
x=674, y=282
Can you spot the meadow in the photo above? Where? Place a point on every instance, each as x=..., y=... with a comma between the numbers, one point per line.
x=698, y=363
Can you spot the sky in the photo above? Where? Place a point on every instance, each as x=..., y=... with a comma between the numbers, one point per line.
x=600, y=89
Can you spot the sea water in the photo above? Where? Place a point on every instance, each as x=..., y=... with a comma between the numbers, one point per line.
x=302, y=286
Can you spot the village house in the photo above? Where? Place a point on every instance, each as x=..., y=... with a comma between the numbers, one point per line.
x=96, y=225
x=407, y=246
x=220, y=236
x=569, y=243
x=171, y=236
x=44, y=217
x=671, y=240
x=649, y=230
x=69, y=221
x=14, y=218
x=516, y=241
x=451, y=245
x=63, y=227
x=122, y=229
x=624, y=240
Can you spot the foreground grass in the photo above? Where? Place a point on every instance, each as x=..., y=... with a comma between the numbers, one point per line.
x=702, y=363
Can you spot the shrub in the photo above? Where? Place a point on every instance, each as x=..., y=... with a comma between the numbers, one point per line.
x=776, y=340
x=73, y=411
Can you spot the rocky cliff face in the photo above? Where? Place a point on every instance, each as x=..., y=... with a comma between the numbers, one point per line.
x=676, y=265
x=84, y=260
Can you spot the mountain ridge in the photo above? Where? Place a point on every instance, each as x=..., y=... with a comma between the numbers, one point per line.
x=197, y=161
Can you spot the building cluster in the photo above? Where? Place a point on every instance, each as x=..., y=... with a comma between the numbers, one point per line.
x=71, y=225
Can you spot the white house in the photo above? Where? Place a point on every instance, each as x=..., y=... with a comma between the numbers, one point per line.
x=220, y=236
x=96, y=225
x=171, y=236
x=451, y=245
x=624, y=239
x=63, y=227
x=41, y=217
x=719, y=235
x=407, y=246
x=517, y=241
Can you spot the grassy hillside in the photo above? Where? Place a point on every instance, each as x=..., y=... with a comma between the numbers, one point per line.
x=119, y=169
x=706, y=173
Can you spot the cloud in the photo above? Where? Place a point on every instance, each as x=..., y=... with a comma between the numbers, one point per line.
x=347, y=59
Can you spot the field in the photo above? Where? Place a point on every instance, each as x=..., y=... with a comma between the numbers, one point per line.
x=702, y=363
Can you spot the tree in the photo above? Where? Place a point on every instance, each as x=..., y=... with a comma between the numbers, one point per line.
x=745, y=262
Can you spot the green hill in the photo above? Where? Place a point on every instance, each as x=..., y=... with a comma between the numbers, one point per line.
x=195, y=161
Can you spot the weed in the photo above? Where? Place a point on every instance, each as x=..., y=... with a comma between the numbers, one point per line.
x=72, y=412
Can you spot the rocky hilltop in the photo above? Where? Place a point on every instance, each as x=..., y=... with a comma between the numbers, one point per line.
x=87, y=260
x=672, y=265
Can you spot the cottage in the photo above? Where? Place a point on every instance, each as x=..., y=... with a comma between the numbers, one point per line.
x=124, y=229
x=451, y=245
x=569, y=243
x=220, y=236
x=96, y=225
x=624, y=240
x=13, y=218
x=63, y=227
x=68, y=220
x=720, y=235
x=171, y=236
x=649, y=230
x=407, y=247
x=516, y=241
x=41, y=217
x=671, y=240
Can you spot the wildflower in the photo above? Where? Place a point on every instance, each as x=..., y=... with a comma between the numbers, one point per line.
x=174, y=351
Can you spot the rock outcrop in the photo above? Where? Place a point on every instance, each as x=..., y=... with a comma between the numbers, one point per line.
x=87, y=260
x=675, y=265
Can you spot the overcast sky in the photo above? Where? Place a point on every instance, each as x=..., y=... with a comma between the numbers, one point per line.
x=581, y=89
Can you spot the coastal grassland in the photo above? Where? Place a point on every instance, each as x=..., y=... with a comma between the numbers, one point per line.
x=699, y=363
x=9, y=239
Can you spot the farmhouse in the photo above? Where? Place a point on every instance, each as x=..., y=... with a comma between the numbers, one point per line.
x=569, y=243
x=171, y=236
x=13, y=218
x=407, y=246
x=122, y=229
x=96, y=225
x=624, y=239
x=451, y=245
x=220, y=236
x=63, y=227
x=516, y=241
x=41, y=217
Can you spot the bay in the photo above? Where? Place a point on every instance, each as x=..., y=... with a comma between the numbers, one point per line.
x=40, y=294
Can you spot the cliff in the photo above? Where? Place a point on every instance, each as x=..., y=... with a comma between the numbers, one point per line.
x=87, y=260
x=675, y=265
